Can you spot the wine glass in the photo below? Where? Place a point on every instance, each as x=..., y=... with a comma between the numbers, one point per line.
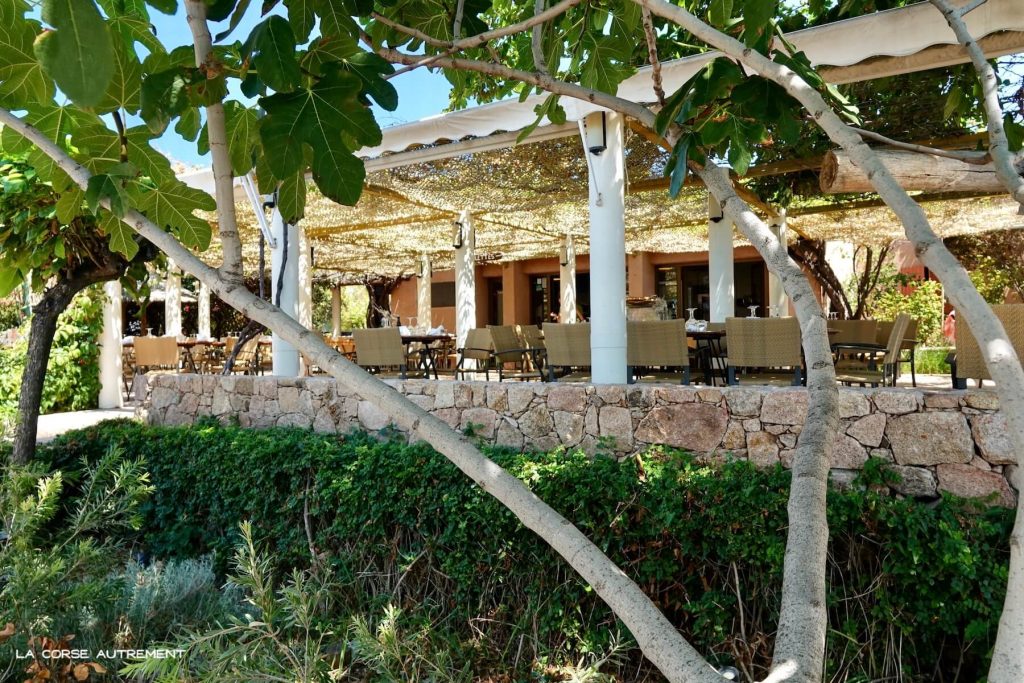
x=753, y=311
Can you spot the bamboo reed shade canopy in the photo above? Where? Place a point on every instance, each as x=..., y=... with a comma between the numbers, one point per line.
x=524, y=198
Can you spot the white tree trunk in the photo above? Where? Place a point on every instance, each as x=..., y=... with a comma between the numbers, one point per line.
x=654, y=634
x=1000, y=357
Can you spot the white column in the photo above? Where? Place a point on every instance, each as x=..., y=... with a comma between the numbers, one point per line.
x=204, y=311
x=285, y=357
x=423, y=301
x=720, y=264
x=305, y=274
x=607, y=250
x=465, y=280
x=110, y=348
x=172, y=300
x=776, y=294
x=305, y=287
x=335, y=310
x=567, y=280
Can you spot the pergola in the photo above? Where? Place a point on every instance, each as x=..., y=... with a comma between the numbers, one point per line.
x=510, y=201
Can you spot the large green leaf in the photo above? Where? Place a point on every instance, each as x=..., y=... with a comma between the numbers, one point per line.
x=322, y=117
x=69, y=204
x=100, y=149
x=334, y=18
x=301, y=17
x=291, y=197
x=125, y=86
x=242, y=129
x=371, y=68
x=122, y=238
x=78, y=54
x=607, y=62
x=22, y=79
x=273, y=48
x=171, y=205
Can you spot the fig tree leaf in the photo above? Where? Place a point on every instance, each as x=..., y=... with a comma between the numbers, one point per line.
x=78, y=53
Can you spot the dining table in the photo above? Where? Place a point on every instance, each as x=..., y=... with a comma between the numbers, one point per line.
x=427, y=353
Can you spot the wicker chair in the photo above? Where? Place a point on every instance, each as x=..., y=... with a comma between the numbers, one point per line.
x=765, y=347
x=568, y=347
x=480, y=348
x=153, y=355
x=245, y=362
x=381, y=351
x=910, y=342
x=886, y=376
x=657, y=350
x=509, y=349
x=533, y=339
x=968, y=363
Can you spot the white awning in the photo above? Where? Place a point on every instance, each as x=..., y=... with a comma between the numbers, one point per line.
x=892, y=33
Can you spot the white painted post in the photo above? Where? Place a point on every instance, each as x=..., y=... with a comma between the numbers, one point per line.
x=305, y=287
x=423, y=296
x=335, y=310
x=720, y=264
x=465, y=282
x=172, y=300
x=110, y=348
x=204, y=311
x=285, y=356
x=607, y=247
x=777, y=298
x=567, y=280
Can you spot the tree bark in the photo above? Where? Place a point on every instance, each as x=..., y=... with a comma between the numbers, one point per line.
x=1000, y=357
x=914, y=171
x=654, y=634
x=811, y=255
x=40, y=341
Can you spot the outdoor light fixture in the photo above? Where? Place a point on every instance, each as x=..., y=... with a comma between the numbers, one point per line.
x=563, y=256
x=595, y=132
x=457, y=235
x=421, y=267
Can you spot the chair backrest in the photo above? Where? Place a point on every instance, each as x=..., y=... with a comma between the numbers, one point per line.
x=478, y=344
x=568, y=344
x=532, y=336
x=156, y=351
x=763, y=342
x=656, y=342
x=379, y=347
x=855, y=332
x=885, y=328
x=504, y=338
x=896, y=336
x=969, y=363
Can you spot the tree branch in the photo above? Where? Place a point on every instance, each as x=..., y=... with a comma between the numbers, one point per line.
x=537, y=40
x=223, y=180
x=980, y=158
x=656, y=636
x=794, y=643
x=998, y=144
x=652, y=53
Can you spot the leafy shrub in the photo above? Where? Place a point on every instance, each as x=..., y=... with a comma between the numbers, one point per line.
x=898, y=293
x=10, y=310
x=914, y=588
x=72, y=375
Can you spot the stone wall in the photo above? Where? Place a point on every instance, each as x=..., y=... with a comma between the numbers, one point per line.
x=937, y=441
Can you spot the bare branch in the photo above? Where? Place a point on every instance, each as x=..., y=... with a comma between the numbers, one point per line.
x=656, y=636
x=223, y=180
x=652, y=52
x=967, y=157
x=801, y=625
x=998, y=145
x=457, y=26
x=537, y=40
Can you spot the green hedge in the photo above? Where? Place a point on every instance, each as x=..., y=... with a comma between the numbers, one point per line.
x=73, y=374
x=914, y=587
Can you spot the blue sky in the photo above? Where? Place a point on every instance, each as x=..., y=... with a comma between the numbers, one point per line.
x=420, y=92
